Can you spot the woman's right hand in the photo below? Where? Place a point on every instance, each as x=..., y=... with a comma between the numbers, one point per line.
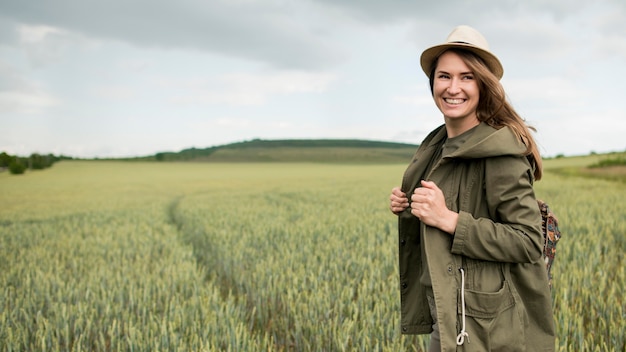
x=399, y=201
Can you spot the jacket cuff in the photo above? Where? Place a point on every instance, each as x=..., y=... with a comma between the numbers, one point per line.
x=460, y=234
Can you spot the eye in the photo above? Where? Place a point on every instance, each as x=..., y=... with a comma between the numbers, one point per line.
x=468, y=77
x=443, y=76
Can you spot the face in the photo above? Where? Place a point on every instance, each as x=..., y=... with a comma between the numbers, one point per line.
x=456, y=92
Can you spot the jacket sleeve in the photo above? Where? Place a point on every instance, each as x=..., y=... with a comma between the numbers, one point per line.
x=512, y=233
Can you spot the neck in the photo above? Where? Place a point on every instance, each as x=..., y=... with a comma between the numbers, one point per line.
x=455, y=128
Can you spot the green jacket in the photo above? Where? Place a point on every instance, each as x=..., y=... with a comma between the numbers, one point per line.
x=498, y=243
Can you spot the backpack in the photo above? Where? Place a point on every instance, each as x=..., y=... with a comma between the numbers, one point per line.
x=551, y=236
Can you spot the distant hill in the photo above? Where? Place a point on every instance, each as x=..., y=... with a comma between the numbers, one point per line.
x=297, y=150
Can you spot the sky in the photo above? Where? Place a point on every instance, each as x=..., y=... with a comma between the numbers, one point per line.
x=123, y=78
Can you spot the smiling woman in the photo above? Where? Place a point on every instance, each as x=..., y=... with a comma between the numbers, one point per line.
x=469, y=226
x=456, y=93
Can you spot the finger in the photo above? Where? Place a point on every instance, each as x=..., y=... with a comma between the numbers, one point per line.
x=422, y=191
x=416, y=213
x=397, y=209
x=426, y=183
x=417, y=198
x=398, y=193
x=429, y=184
x=400, y=203
x=421, y=195
x=395, y=199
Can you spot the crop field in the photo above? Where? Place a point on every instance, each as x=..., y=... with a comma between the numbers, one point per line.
x=132, y=256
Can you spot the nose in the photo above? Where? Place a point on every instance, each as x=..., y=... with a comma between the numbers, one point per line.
x=454, y=87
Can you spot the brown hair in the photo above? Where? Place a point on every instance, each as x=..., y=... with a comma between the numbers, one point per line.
x=493, y=107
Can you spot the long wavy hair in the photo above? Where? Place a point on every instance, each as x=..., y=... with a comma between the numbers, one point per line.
x=494, y=108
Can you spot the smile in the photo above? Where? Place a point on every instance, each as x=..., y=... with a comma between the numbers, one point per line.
x=454, y=101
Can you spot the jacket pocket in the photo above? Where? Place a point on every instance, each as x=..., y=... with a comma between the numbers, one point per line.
x=492, y=320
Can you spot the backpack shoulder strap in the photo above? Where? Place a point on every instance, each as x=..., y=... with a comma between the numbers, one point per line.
x=551, y=235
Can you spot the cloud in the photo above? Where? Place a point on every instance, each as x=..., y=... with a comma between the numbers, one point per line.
x=135, y=65
x=262, y=31
x=417, y=100
x=246, y=88
x=304, y=35
x=45, y=44
x=455, y=11
x=248, y=123
x=607, y=46
x=116, y=92
x=578, y=132
x=530, y=37
x=21, y=95
x=25, y=102
x=8, y=34
x=290, y=69
x=551, y=91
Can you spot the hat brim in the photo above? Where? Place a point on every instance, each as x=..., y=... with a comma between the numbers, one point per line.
x=431, y=54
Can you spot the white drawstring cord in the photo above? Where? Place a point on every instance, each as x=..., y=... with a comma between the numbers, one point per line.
x=460, y=338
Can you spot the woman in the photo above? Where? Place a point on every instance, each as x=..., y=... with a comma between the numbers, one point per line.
x=471, y=268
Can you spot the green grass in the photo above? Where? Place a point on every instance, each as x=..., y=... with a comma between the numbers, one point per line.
x=600, y=166
x=138, y=256
x=611, y=160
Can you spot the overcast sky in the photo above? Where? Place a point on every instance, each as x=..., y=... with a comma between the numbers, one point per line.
x=119, y=78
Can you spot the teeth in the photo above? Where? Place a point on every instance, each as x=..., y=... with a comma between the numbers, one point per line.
x=454, y=101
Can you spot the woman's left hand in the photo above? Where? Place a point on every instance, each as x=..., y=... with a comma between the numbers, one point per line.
x=429, y=205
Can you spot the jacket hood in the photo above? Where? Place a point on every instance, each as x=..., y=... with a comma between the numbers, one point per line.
x=487, y=141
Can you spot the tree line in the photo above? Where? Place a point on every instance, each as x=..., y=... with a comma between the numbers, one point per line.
x=17, y=165
x=205, y=153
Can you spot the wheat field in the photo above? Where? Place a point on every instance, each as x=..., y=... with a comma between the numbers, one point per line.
x=130, y=256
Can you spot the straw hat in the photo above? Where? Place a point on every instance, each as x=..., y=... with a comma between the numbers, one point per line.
x=467, y=38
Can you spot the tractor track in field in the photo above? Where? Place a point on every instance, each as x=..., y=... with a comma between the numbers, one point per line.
x=209, y=256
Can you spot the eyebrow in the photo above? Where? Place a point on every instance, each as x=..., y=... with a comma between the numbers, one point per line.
x=462, y=73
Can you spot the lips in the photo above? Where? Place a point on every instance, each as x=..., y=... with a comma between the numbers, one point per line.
x=454, y=101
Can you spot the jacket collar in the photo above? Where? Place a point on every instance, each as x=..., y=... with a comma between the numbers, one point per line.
x=486, y=141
